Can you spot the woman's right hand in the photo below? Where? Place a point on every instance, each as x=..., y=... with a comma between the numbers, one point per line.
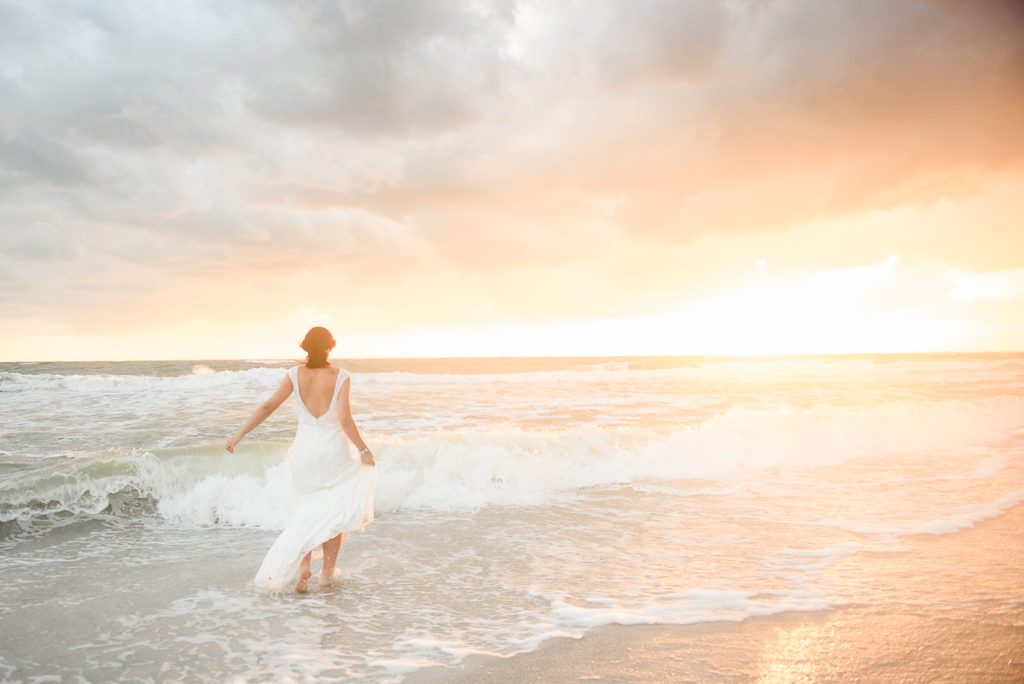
x=368, y=458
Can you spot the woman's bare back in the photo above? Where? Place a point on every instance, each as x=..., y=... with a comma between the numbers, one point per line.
x=316, y=388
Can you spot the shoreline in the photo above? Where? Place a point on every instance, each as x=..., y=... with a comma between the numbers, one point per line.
x=956, y=636
x=840, y=644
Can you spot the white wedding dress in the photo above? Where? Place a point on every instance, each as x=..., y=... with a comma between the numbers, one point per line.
x=333, y=490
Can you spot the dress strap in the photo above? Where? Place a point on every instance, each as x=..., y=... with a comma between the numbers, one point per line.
x=338, y=382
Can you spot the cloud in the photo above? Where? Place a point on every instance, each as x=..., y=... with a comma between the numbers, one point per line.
x=825, y=109
x=518, y=159
x=386, y=68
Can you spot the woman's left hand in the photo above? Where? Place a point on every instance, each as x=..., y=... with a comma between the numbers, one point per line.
x=233, y=442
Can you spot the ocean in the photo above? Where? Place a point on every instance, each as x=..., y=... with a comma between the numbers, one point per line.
x=519, y=500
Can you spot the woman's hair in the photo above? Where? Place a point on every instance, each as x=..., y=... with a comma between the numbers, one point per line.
x=317, y=343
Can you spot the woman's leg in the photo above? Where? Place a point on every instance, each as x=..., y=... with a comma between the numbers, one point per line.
x=305, y=572
x=331, y=548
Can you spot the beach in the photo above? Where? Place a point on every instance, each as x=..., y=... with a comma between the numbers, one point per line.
x=973, y=639
x=611, y=519
x=603, y=343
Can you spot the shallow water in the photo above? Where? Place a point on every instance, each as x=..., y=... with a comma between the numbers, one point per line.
x=518, y=499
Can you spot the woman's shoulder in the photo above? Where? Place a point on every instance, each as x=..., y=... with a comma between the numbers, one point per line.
x=293, y=371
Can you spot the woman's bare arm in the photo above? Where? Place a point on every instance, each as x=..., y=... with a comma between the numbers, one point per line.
x=262, y=412
x=348, y=423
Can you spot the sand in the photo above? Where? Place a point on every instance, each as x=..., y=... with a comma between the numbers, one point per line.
x=841, y=645
x=954, y=636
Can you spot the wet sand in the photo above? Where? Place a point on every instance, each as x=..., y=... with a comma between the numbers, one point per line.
x=956, y=635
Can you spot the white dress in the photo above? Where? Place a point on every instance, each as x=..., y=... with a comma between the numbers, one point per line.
x=332, y=488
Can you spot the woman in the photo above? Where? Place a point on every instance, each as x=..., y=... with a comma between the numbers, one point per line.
x=333, y=487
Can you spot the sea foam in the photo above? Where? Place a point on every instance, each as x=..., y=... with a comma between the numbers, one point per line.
x=467, y=470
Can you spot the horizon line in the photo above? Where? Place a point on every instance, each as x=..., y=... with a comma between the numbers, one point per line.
x=549, y=356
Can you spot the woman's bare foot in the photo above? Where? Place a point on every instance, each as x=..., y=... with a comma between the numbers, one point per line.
x=301, y=586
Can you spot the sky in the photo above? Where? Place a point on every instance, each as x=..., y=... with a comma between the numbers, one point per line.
x=201, y=180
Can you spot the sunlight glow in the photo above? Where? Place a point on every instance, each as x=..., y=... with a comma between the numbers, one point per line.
x=829, y=311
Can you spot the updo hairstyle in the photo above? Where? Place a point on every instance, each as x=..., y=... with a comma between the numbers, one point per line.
x=318, y=343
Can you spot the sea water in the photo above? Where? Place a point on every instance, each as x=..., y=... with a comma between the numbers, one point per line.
x=518, y=500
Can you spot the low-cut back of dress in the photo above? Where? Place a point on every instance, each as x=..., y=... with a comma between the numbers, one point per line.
x=333, y=490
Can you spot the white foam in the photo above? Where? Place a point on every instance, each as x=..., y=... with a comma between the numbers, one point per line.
x=833, y=552
x=469, y=470
x=699, y=605
x=954, y=520
x=460, y=470
x=243, y=500
x=202, y=376
x=606, y=366
x=966, y=516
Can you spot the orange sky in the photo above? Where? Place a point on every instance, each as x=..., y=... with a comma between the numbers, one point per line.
x=432, y=179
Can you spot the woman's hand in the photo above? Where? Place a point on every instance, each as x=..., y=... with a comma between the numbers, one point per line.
x=233, y=442
x=368, y=458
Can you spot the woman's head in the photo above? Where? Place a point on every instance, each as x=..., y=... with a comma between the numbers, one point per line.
x=318, y=343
